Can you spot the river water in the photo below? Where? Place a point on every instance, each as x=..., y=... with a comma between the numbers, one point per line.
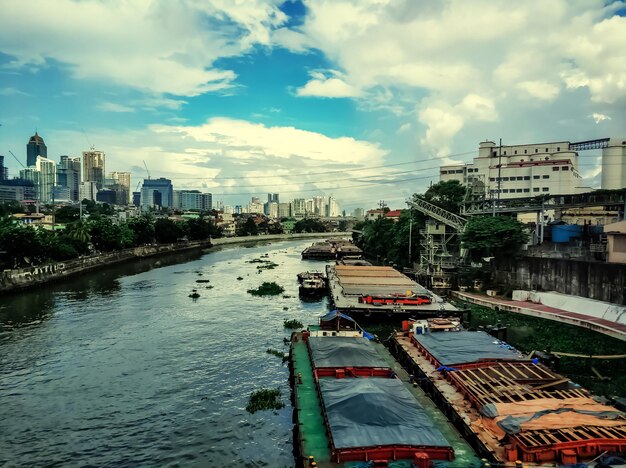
x=121, y=367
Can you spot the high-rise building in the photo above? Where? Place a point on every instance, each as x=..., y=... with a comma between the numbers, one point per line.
x=93, y=167
x=35, y=147
x=4, y=171
x=31, y=174
x=157, y=192
x=47, y=178
x=123, y=179
x=68, y=175
x=284, y=210
x=87, y=190
x=332, y=207
x=17, y=190
x=196, y=200
x=272, y=210
x=298, y=207
x=272, y=197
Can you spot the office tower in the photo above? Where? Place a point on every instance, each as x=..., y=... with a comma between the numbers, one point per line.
x=333, y=207
x=123, y=179
x=87, y=190
x=47, y=178
x=4, y=171
x=93, y=167
x=157, y=192
x=35, y=147
x=31, y=174
x=68, y=175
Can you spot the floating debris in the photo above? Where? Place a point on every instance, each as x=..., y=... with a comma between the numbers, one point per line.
x=203, y=281
x=275, y=352
x=264, y=399
x=209, y=287
x=268, y=266
x=267, y=289
x=293, y=324
x=286, y=296
x=239, y=278
x=194, y=294
x=285, y=308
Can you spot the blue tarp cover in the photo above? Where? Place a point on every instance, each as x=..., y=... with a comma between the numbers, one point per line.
x=372, y=412
x=342, y=351
x=464, y=347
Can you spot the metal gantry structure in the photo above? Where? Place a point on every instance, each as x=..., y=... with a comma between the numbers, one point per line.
x=436, y=262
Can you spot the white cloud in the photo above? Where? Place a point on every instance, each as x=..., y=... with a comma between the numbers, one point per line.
x=157, y=47
x=114, y=107
x=330, y=85
x=599, y=117
x=12, y=92
x=404, y=128
x=522, y=55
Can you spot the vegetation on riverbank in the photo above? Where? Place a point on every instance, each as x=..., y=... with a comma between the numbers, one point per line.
x=25, y=245
x=264, y=399
x=293, y=324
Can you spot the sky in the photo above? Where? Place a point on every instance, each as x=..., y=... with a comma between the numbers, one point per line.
x=359, y=99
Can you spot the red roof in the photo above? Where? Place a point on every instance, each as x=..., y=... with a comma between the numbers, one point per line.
x=393, y=214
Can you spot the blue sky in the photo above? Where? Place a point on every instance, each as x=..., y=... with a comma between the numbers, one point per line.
x=307, y=98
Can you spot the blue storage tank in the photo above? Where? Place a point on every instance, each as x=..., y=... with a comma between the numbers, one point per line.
x=562, y=233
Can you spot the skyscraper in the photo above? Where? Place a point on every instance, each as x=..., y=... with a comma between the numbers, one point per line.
x=68, y=175
x=31, y=174
x=123, y=179
x=157, y=192
x=4, y=171
x=93, y=167
x=47, y=178
x=35, y=147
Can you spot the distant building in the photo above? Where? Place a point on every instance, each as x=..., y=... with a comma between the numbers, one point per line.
x=137, y=199
x=284, y=210
x=272, y=197
x=614, y=164
x=194, y=200
x=394, y=215
x=298, y=207
x=107, y=196
x=87, y=190
x=4, y=171
x=62, y=194
x=157, y=192
x=35, y=147
x=68, y=175
x=20, y=190
x=372, y=215
x=358, y=213
x=47, y=178
x=124, y=180
x=616, y=242
x=32, y=175
x=332, y=210
x=94, y=167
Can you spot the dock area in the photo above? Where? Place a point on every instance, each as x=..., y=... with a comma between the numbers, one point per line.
x=349, y=284
x=508, y=407
x=593, y=322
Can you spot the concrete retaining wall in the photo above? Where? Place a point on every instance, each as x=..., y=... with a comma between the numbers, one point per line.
x=595, y=280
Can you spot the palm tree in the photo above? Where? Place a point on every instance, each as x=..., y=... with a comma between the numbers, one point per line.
x=79, y=231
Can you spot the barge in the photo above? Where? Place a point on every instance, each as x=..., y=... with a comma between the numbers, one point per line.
x=332, y=249
x=354, y=403
x=512, y=410
x=384, y=292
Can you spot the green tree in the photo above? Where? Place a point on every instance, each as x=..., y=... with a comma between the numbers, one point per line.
x=448, y=195
x=106, y=236
x=498, y=236
x=167, y=231
x=67, y=214
x=79, y=231
x=143, y=229
x=249, y=228
x=20, y=245
x=10, y=207
x=309, y=225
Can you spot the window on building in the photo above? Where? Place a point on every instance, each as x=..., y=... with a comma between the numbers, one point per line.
x=494, y=154
x=515, y=151
x=519, y=190
x=525, y=151
x=505, y=153
x=545, y=189
x=521, y=160
x=520, y=177
x=555, y=168
x=558, y=148
x=492, y=179
x=505, y=179
x=536, y=150
x=546, y=176
x=444, y=172
x=526, y=177
x=459, y=171
x=536, y=189
x=506, y=190
x=535, y=177
x=565, y=168
x=531, y=159
x=546, y=150
x=526, y=190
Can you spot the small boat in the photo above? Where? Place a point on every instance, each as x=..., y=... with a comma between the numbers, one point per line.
x=313, y=287
x=306, y=275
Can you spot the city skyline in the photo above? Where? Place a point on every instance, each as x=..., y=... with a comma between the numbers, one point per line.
x=275, y=93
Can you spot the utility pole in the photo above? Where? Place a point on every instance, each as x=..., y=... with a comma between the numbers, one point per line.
x=410, y=235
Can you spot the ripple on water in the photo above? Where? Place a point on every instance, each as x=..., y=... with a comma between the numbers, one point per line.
x=128, y=371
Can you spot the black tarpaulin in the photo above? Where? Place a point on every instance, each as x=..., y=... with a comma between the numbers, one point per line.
x=462, y=347
x=341, y=351
x=372, y=412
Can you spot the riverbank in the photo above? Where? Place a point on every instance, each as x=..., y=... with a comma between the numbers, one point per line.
x=21, y=279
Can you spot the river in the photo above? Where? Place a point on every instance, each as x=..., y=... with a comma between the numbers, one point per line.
x=121, y=367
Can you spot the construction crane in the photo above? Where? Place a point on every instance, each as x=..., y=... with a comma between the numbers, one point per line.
x=146, y=166
x=17, y=159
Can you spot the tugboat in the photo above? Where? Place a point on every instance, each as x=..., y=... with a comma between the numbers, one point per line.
x=305, y=275
x=313, y=286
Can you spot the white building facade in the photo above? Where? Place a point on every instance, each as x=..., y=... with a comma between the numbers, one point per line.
x=520, y=171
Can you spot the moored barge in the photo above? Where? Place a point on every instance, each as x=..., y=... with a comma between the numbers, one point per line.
x=332, y=249
x=354, y=403
x=510, y=408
